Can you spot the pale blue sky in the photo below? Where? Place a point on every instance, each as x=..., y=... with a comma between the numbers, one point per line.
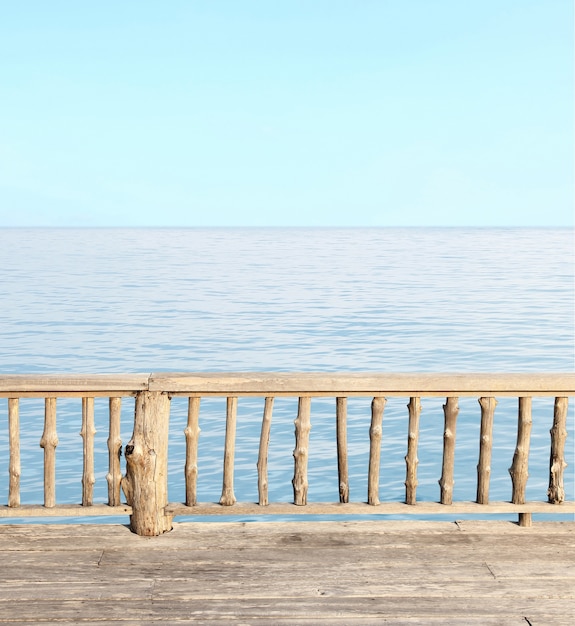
x=286, y=113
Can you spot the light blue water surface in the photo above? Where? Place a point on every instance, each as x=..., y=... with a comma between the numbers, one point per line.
x=386, y=300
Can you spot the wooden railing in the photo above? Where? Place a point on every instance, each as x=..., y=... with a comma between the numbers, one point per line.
x=145, y=484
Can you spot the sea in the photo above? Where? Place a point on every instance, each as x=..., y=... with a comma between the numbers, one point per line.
x=288, y=299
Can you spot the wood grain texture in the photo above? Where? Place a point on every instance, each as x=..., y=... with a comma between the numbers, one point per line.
x=557, y=463
x=485, y=448
x=401, y=573
x=262, y=464
x=411, y=460
x=301, y=451
x=87, y=433
x=341, y=439
x=14, y=468
x=228, y=498
x=446, y=482
x=192, y=435
x=375, y=434
x=114, y=475
x=49, y=442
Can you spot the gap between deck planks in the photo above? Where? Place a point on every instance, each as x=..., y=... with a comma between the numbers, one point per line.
x=290, y=573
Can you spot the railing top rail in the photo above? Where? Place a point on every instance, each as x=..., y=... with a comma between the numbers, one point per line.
x=294, y=384
x=77, y=384
x=365, y=383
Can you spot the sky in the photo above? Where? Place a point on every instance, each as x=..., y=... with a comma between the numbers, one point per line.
x=192, y=113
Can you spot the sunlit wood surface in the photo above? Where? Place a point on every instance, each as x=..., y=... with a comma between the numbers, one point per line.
x=291, y=573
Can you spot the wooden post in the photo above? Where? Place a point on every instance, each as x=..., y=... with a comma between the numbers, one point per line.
x=450, y=412
x=411, y=459
x=228, y=498
x=114, y=475
x=87, y=433
x=300, y=453
x=519, y=467
x=192, y=434
x=262, y=463
x=146, y=481
x=485, y=447
x=49, y=442
x=14, y=445
x=341, y=435
x=557, y=463
x=375, y=432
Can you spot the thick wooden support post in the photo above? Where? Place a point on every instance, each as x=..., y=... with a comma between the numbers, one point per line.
x=557, y=463
x=262, y=464
x=375, y=433
x=228, y=498
x=450, y=412
x=485, y=447
x=192, y=435
x=519, y=468
x=411, y=459
x=14, y=445
x=341, y=435
x=87, y=433
x=146, y=481
x=300, y=453
x=114, y=475
x=49, y=442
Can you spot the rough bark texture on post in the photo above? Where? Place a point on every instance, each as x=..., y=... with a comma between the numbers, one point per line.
x=446, y=482
x=341, y=434
x=49, y=442
x=411, y=459
x=262, y=463
x=228, y=498
x=300, y=453
x=87, y=433
x=485, y=447
x=14, y=445
x=519, y=469
x=557, y=463
x=114, y=475
x=146, y=481
x=375, y=432
x=192, y=435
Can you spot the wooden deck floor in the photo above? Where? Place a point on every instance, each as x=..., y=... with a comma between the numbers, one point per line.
x=462, y=573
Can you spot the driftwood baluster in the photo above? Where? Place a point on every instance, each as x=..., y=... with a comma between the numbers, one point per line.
x=411, y=459
x=87, y=433
x=301, y=451
x=341, y=435
x=146, y=481
x=192, y=434
x=519, y=468
x=557, y=463
x=14, y=444
x=49, y=442
x=228, y=498
x=114, y=475
x=450, y=412
x=485, y=447
x=375, y=433
x=262, y=464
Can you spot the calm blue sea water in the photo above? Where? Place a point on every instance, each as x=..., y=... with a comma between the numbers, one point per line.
x=397, y=300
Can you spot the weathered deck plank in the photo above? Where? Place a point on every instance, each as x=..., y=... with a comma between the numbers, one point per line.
x=290, y=573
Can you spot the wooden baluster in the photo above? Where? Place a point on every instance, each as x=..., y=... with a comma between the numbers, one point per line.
x=450, y=412
x=411, y=459
x=87, y=433
x=14, y=444
x=228, y=498
x=485, y=447
x=519, y=468
x=192, y=434
x=557, y=463
x=114, y=475
x=300, y=453
x=341, y=435
x=375, y=432
x=146, y=481
x=49, y=442
x=262, y=464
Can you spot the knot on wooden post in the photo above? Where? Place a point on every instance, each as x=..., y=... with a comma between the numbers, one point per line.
x=146, y=481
